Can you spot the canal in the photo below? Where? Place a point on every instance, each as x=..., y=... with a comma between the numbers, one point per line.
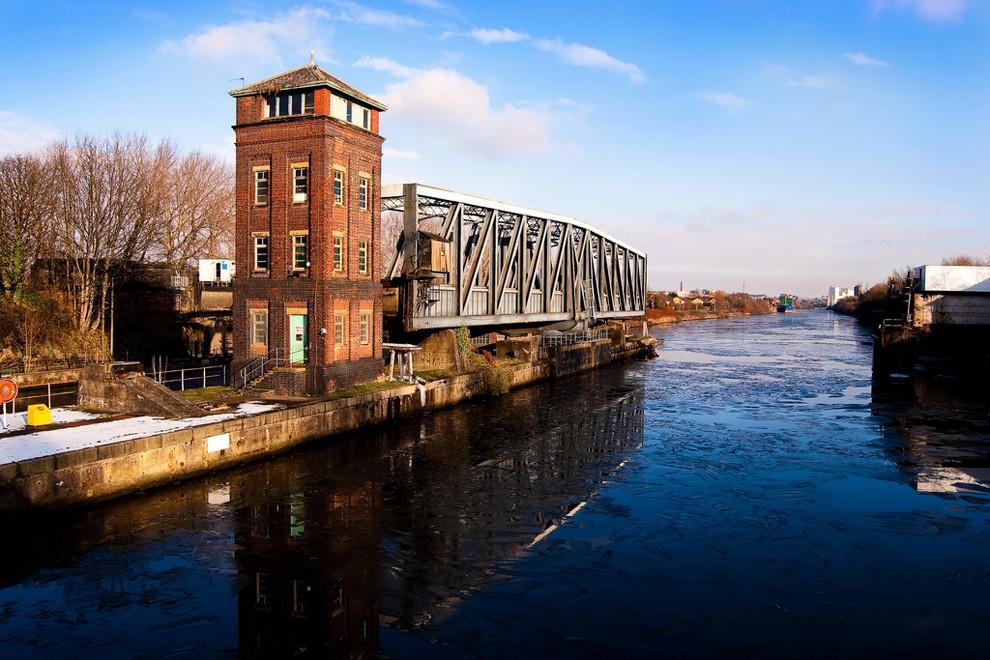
x=748, y=493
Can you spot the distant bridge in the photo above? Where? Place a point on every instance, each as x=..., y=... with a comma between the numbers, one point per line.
x=465, y=260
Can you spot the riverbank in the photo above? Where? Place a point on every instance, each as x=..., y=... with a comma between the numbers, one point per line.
x=655, y=317
x=53, y=478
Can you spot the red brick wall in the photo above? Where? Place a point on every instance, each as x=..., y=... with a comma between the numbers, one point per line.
x=322, y=142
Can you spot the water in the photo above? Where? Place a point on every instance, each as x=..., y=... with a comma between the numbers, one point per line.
x=748, y=493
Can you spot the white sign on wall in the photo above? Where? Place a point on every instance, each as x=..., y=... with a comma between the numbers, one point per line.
x=218, y=442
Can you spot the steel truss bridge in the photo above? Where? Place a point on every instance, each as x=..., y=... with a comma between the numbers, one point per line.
x=465, y=260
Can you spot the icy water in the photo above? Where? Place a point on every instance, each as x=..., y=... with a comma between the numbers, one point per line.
x=747, y=494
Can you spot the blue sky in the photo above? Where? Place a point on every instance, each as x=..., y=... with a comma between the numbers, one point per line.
x=777, y=145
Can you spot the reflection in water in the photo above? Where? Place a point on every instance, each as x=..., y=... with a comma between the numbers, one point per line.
x=771, y=504
x=392, y=527
x=939, y=433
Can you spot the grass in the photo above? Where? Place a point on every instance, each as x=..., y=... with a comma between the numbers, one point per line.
x=364, y=388
x=435, y=374
x=205, y=394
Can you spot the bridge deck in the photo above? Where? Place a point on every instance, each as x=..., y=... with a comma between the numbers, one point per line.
x=466, y=260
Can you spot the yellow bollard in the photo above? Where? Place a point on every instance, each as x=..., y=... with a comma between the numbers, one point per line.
x=39, y=415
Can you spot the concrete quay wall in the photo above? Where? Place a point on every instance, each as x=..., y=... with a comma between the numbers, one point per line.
x=95, y=473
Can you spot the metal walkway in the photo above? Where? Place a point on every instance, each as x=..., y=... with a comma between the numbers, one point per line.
x=465, y=260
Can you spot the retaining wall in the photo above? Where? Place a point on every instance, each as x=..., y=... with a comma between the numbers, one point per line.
x=113, y=469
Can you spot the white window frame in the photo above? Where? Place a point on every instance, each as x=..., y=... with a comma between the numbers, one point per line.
x=339, y=252
x=258, y=315
x=339, y=328
x=364, y=332
x=268, y=253
x=305, y=244
x=366, y=122
x=258, y=171
x=339, y=179
x=363, y=257
x=297, y=196
x=364, y=189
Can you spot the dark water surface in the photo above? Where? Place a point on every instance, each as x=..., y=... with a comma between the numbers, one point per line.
x=746, y=494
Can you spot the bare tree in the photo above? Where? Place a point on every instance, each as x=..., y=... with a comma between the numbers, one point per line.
x=108, y=200
x=197, y=217
x=25, y=211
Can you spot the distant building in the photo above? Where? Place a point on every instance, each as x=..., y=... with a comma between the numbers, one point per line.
x=950, y=296
x=837, y=293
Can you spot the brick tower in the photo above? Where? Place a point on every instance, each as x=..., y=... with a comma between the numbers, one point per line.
x=307, y=294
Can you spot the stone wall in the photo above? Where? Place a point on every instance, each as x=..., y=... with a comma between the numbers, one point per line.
x=110, y=470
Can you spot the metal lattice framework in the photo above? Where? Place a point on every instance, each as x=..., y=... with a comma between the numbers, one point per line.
x=509, y=264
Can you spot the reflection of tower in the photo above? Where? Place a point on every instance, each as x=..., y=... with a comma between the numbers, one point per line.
x=308, y=569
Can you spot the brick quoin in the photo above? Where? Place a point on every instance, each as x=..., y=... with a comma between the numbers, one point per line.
x=324, y=142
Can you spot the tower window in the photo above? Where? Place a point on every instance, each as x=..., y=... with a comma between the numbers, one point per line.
x=363, y=257
x=259, y=327
x=367, y=118
x=300, y=252
x=300, y=176
x=338, y=187
x=365, y=329
x=338, y=253
x=261, y=252
x=289, y=103
x=339, y=328
x=261, y=187
x=363, y=193
x=350, y=112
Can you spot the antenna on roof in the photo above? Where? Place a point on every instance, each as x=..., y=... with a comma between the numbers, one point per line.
x=311, y=60
x=241, y=79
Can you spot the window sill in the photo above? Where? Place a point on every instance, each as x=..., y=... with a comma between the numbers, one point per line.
x=258, y=205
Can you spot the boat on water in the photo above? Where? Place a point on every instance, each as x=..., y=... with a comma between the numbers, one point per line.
x=785, y=303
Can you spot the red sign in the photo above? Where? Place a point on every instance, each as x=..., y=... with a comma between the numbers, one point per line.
x=8, y=390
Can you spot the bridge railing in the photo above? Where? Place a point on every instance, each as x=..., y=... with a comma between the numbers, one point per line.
x=475, y=261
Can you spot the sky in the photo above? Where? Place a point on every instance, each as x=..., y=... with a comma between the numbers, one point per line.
x=755, y=145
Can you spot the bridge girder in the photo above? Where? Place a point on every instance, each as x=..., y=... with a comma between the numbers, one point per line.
x=508, y=265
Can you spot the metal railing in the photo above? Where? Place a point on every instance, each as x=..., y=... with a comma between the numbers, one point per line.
x=40, y=364
x=191, y=377
x=259, y=366
x=568, y=338
x=52, y=395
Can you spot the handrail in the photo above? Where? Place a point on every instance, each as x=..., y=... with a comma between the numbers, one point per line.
x=189, y=376
x=261, y=365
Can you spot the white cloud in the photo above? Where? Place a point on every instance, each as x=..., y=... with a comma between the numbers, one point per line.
x=592, y=58
x=862, y=59
x=435, y=5
x=813, y=82
x=725, y=100
x=939, y=11
x=18, y=134
x=386, y=65
x=497, y=36
x=252, y=39
x=353, y=12
x=458, y=110
x=398, y=154
x=571, y=53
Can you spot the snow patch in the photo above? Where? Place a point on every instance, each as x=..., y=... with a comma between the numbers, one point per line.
x=57, y=441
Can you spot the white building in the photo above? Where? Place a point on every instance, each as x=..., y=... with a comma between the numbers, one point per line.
x=216, y=271
x=837, y=293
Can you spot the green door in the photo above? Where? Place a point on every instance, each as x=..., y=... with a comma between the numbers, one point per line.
x=298, y=339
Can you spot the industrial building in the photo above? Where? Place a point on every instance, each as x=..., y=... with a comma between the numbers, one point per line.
x=307, y=297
